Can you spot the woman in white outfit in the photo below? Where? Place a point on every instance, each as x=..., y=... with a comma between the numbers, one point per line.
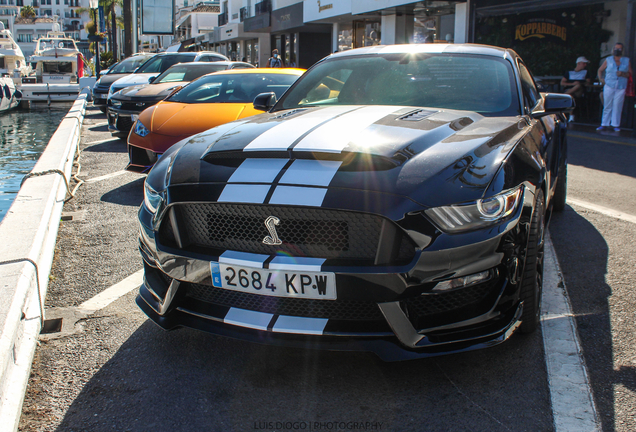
x=617, y=70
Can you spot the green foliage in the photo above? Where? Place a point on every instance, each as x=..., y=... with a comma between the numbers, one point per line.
x=27, y=11
x=90, y=28
x=106, y=59
x=545, y=57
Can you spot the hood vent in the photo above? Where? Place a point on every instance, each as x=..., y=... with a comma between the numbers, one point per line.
x=417, y=115
x=289, y=113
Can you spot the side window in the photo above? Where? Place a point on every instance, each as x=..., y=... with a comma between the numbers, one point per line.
x=530, y=93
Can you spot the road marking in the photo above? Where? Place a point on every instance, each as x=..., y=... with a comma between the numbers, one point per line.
x=604, y=210
x=107, y=176
x=601, y=139
x=111, y=294
x=102, y=141
x=570, y=393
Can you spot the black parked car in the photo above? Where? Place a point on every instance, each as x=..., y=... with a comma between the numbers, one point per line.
x=394, y=200
x=124, y=106
x=159, y=64
x=120, y=70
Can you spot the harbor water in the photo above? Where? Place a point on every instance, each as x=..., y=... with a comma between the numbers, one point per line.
x=24, y=134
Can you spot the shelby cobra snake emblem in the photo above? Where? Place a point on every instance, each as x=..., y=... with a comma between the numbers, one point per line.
x=272, y=238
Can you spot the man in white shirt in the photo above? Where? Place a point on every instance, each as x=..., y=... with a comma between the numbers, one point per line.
x=574, y=81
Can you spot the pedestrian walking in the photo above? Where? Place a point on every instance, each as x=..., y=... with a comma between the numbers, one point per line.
x=275, y=61
x=614, y=74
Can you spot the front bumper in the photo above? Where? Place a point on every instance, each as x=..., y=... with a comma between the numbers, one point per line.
x=391, y=311
x=120, y=122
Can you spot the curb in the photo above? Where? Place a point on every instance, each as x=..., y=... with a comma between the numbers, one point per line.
x=28, y=232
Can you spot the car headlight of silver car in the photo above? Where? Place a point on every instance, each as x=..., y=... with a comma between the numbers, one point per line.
x=140, y=129
x=152, y=198
x=476, y=215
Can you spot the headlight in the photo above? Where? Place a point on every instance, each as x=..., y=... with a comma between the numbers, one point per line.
x=140, y=129
x=115, y=103
x=152, y=198
x=471, y=216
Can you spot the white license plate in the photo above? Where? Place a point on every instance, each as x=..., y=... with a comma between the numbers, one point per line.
x=277, y=283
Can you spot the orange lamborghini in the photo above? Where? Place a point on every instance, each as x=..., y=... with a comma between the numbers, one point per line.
x=209, y=101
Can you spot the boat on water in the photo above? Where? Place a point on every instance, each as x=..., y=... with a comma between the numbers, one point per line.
x=10, y=96
x=12, y=60
x=55, y=58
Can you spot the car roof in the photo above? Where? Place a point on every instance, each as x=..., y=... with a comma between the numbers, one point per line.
x=207, y=64
x=429, y=48
x=273, y=71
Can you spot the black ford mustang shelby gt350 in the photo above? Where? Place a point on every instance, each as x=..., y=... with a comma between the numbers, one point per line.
x=394, y=200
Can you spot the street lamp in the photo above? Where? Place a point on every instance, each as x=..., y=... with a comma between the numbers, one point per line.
x=93, y=5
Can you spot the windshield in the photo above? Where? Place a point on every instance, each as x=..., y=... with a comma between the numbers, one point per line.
x=181, y=72
x=57, y=67
x=454, y=81
x=129, y=65
x=234, y=88
x=56, y=43
x=161, y=63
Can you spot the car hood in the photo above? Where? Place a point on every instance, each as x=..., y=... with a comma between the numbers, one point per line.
x=132, y=79
x=428, y=155
x=176, y=119
x=108, y=79
x=148, y=91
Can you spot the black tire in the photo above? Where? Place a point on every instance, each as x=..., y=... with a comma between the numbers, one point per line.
x=532, y=282
x=561, y=190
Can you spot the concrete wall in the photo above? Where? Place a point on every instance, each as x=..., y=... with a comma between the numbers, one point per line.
x=28, y=233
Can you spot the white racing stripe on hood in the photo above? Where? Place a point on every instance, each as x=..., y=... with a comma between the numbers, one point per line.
x=301, y=196
x=258, y=170
x=283, y=135
x=310, y=172
x=335, y=135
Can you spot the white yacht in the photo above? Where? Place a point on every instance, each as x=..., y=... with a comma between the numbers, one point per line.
x=12, y=61
x=56, y=59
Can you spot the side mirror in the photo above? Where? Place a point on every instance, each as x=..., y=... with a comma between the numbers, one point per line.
x=265, y=101
x=174, y=90
x=151, y=79
x=554, y=103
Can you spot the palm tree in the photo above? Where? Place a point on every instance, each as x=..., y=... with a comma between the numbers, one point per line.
x=27, y=11
x=128, y=48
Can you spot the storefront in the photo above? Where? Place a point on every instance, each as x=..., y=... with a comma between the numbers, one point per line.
x=258, y=48
x=550, y=37
x=360, y=23
x=298, y=43
x=234, y=42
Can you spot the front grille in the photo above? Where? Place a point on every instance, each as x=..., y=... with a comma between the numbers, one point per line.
x=132, y=106
x=124, y=123
x=331, y=309
x=304, y=231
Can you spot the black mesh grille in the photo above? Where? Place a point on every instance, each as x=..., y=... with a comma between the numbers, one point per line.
x=304, y=231
x=124, y=123
x=430, y=304
x=331, y=309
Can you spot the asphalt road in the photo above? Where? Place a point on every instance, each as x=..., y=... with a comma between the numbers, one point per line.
x=114, y=370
